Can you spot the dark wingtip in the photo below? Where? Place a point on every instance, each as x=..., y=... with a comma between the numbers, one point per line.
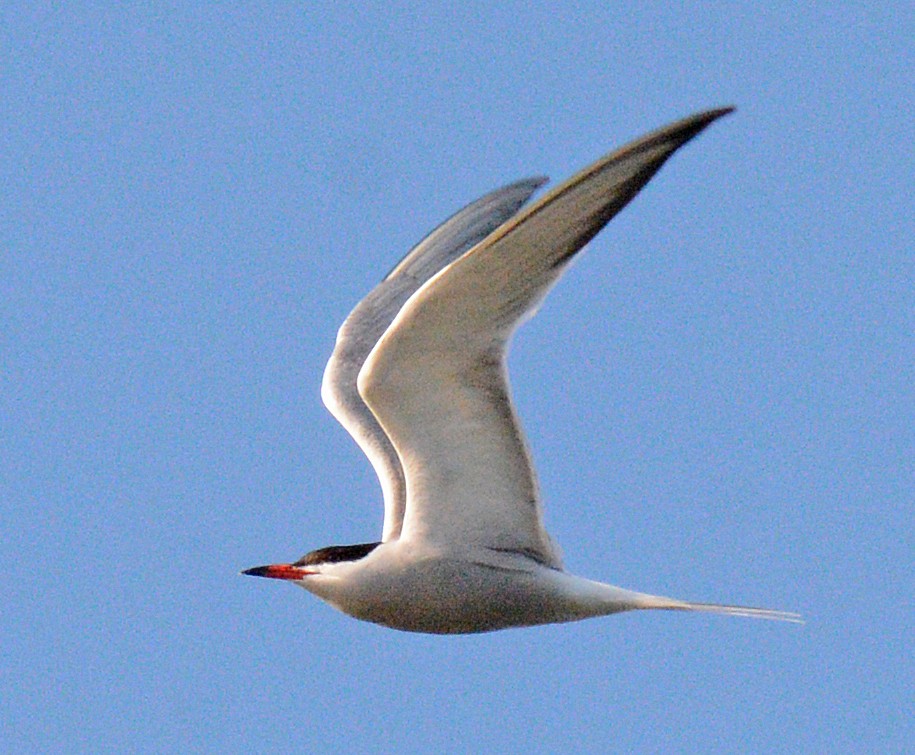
x=707, y=116
x=693, y=124
x=672, y=137
x=724, y=110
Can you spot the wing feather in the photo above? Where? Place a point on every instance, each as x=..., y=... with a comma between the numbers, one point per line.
x=437, y=379
x=366, y=323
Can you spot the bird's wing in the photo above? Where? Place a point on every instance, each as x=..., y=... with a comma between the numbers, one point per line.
x=374, y=313
x=437, y=379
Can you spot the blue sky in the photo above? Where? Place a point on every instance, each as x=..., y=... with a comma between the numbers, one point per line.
x=719, y=395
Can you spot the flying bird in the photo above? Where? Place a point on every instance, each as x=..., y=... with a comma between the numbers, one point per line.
x=418, y=377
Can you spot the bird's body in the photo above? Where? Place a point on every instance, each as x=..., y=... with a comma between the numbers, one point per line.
x=418, y=377
x=423, y=588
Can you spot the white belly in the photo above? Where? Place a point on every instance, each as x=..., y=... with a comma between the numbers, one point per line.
x=449, y=593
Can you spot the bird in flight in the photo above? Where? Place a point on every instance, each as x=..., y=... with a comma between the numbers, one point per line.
x=418, y=377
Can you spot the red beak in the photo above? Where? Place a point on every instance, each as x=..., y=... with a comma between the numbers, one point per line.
x=278, y=571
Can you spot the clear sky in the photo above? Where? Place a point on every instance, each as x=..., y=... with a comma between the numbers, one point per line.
x=719, y=395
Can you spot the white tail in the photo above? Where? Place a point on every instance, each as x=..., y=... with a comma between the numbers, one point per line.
x=669, y=604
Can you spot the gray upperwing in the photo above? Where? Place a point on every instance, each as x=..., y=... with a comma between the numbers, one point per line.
x=371, y=317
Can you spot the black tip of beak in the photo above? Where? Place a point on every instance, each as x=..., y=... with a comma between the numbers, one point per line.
x=257, y=571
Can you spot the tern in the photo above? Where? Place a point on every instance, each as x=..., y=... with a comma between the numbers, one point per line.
x=418, y=377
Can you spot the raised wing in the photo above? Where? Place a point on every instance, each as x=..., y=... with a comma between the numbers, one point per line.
x=437, y=379
x=371, y=317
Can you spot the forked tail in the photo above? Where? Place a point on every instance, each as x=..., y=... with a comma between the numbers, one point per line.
x=669, y=604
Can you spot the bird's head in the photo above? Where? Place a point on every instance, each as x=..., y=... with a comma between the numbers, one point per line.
x=324, y=561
